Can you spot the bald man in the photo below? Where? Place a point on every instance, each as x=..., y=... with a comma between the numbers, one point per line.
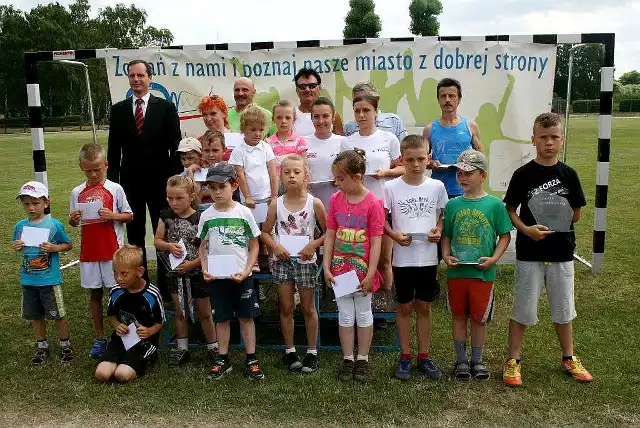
x=243, y=92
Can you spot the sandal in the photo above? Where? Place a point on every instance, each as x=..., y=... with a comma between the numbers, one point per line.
x=461, y=371
x=479, y=370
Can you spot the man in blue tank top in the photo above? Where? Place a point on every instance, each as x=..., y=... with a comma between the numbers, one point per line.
x=450, y=135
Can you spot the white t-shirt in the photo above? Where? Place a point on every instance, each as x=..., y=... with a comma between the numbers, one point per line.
x=380, y=148
x=303, y=124
x=321, y=154
x=254, y=161
x=229, y=232
x=297, y=223
x=414, y=209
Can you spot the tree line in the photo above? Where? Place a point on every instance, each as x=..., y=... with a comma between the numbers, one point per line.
x=50, y=27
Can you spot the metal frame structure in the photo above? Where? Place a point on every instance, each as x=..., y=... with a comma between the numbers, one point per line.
x=607, y=40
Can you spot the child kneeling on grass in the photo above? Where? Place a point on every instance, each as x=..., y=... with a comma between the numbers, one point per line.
x=472, y=223
x=132, y=301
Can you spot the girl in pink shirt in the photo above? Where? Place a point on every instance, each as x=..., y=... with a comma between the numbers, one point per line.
x=285, y=141
x=355, y=224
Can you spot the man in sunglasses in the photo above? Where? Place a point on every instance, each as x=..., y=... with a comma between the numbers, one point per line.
x=243, y=92
x=308, y=87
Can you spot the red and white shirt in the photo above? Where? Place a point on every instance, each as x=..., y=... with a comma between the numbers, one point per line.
x=100, y=238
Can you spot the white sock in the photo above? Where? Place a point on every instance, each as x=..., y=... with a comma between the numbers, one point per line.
x=65, y=343
x=290, y=350
x=312, y=351
x=363, y=358
x=212, y=345
x=43, y=344
x=348, y=357
x=183, y=343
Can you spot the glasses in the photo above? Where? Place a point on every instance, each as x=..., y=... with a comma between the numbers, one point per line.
x=303, y=86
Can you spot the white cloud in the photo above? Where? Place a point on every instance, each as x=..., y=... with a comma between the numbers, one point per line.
x=206, y=21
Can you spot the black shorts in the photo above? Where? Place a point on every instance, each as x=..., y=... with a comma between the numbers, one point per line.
x=42, y=302
x=416, y=283
x=231, y=299
x=199, y=287
x=140, y=357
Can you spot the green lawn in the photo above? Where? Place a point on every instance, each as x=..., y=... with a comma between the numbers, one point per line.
x=606, y=337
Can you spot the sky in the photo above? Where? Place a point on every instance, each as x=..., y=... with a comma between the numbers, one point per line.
x=206, y=21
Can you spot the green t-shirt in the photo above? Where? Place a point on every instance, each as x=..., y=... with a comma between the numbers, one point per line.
x=234, y=121
x=474, y=226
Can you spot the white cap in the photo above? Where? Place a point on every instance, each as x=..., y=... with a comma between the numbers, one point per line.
x=190, y=144
x=34, y=189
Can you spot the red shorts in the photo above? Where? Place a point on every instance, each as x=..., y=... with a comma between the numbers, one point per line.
x=470, y=297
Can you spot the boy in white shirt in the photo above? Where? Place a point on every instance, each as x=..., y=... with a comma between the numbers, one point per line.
x=415, y=204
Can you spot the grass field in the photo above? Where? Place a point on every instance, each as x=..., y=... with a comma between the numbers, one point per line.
x=606, y=337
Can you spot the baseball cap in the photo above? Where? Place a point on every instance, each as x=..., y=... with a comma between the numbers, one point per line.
x=35, y=189
x=471, y=160
x=189, y=144
x=221, y=173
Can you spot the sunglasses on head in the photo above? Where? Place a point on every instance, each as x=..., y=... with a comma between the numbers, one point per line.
x=303, y=86
x=213, y=97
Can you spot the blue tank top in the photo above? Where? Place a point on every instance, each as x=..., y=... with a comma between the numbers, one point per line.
x=447, y=143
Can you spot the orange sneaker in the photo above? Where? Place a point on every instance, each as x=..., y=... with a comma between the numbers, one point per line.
x=511, y=374
x=574, y=368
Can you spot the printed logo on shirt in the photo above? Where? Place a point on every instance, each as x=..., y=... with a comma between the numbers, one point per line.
x=419, y=207
x=472, y=226
x=552, y=186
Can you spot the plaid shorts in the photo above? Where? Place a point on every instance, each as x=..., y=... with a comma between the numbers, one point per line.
x=292, y=272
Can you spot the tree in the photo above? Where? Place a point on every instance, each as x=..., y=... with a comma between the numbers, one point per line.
x=424, y=17
x=630, y=78
x=587, y=61
x=362, y=21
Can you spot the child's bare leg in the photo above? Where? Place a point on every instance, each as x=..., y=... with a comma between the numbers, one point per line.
x=565, y=336
x=516, y=335
x=40, y=329
x=365, y=337
x=403, y=324
x=285, y=300
x=248, y=334
x=384, y=265
x=308, y=306
x=203, y=309
x=105, y=371
x=347, y=335
x=182, y=327
x=423, y=326
x=62, y=325
x=95, y=304
x=124, y=373
x=224, y=334
x=478, y=336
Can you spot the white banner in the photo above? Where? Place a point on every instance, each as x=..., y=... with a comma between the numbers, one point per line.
x=504, y=85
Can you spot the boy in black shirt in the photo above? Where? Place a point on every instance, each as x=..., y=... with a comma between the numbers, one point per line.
x=544, y=256
x=132, y=301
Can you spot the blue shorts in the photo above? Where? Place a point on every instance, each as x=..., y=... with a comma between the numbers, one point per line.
x=232, y=299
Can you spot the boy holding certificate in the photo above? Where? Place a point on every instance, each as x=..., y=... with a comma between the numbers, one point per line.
x=415, y=204
x=473, y=223
x=228, y=250
x=544, y=245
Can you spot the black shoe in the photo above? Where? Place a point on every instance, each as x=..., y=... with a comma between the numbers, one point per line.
x=253, y=370
x=291, y=361
x=310, y=363
x=212, y=354
x=40, y=356
x=178, y=357
x=361, y=371
x=346, y=371
x=66, y=354
x=219, y=368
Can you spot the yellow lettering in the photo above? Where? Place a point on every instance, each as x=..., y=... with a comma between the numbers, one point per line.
x=361, y=236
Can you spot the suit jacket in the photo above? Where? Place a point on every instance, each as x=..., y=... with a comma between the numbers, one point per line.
x=148, y=158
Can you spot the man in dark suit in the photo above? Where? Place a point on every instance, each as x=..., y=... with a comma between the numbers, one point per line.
x=144, y=132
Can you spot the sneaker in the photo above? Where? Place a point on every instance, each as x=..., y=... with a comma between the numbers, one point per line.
x=291, y=361
x=212, y=354
x=361, y=371
x=574, y=368
x=511, y=373
x=66, y=354
x=98, y=348
x=219, y=368
x=253, y=370
x=403, y=369
x=479, y=370
x=428, y=368
x=178, y=357
x=310, y=363
x=40, y=356
x=462, y=370
x=346, y=371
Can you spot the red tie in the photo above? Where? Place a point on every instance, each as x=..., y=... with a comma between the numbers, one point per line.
x=139, y=115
